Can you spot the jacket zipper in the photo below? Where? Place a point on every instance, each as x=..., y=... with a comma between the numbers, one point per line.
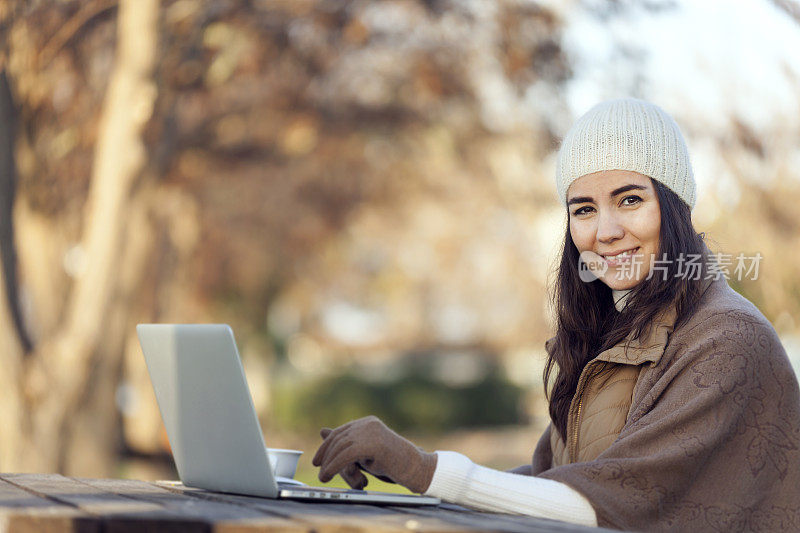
x=574, y=445
x=576, y=425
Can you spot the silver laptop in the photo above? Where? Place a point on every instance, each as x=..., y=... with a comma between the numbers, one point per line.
x=211, y=423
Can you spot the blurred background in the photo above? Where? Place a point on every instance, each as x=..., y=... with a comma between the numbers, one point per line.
x=362, y=189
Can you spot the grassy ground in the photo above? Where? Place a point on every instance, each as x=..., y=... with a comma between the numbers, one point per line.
x=308, y=475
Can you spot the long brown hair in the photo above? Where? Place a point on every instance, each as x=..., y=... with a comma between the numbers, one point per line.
x=587, y=321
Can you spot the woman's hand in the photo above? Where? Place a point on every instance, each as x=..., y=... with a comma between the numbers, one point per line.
x=367, y=444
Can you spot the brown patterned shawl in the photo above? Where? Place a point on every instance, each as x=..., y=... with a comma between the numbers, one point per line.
x=712, y=442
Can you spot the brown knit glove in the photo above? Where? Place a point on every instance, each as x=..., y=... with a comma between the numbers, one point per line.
x=367, y=444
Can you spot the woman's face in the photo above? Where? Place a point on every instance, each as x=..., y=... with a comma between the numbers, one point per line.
x=615, y=214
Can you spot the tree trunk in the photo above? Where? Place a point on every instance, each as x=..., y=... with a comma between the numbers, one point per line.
x=57, y=409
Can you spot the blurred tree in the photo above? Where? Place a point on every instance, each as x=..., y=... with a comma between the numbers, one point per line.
x=8, y=254
x=57, y=406
x=274, y=125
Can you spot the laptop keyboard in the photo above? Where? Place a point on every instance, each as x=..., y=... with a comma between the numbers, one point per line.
x=295, y=486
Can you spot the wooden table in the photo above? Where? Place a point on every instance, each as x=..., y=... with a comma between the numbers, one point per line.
x=50, y=502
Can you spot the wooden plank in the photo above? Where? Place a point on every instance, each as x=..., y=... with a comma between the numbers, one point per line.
x=41, y=522
x=223, y=517
x=22, y=511
x=280, y=507
x=101, y=497
x=36, y=502
x=333, y=517
x=112, y=512
x=13, y=497
x=503, y=522
x=338, y=516
x=480, y=521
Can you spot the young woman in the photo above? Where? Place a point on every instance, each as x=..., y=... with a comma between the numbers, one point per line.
x=672, y=401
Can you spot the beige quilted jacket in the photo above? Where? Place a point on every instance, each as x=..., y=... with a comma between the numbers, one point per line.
x=601, y=404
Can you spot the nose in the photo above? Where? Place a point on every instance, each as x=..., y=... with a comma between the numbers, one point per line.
x=609, y=228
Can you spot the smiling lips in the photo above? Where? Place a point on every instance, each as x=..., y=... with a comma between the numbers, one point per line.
x=620, y=257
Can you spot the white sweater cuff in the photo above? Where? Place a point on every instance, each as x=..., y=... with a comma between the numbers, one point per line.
x=458, y=480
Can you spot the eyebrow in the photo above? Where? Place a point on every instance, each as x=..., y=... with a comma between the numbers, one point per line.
x=615, y=192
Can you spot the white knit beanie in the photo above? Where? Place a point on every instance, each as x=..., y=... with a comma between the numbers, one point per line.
x=626, y=134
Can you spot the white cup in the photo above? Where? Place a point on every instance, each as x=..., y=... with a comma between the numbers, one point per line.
x=284, y=462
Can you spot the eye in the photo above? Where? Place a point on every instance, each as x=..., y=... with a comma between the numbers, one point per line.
x=630, y=200
x=582, y=210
